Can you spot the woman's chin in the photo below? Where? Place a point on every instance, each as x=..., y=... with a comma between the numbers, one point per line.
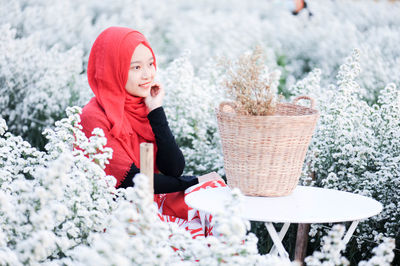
x=146, y=94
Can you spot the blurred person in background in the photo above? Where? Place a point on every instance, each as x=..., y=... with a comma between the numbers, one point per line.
x=296, y=6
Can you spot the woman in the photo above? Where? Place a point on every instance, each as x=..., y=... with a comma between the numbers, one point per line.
x=128, y=107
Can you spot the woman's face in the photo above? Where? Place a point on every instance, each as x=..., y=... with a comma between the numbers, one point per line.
x=141, y=72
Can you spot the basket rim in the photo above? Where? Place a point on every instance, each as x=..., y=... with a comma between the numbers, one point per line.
x=313, y=112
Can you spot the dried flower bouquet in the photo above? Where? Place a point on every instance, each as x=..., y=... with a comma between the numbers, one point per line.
x=250, y=86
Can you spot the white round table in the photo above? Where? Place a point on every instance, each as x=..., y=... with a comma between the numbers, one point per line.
x=304, y=205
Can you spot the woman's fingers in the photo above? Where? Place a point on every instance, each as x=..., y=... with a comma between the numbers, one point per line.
x=213, y=176
x=154, y=90
x=155, y=99
x=157, y=90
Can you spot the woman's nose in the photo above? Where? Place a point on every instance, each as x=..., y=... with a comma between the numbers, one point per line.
x=146, y=73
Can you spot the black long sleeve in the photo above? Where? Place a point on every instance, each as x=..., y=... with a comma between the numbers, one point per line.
x=169, y=160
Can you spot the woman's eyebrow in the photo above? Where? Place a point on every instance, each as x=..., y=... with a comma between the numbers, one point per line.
x=138, y=62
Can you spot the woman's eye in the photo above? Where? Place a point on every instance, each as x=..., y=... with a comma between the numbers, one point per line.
x=136, y=67
x=151, y=63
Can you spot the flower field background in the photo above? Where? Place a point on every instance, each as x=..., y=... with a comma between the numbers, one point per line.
x=55, y=201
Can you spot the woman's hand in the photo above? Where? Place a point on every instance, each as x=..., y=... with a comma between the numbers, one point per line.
x=213, y=176
x=156, y=96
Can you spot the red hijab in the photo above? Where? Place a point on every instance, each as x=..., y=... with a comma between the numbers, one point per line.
x=108, y=68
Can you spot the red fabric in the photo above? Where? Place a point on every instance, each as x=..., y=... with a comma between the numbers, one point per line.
x=173, y=204
x=121, y=115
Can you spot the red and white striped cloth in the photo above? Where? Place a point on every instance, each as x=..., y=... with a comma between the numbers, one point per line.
x=173, y=209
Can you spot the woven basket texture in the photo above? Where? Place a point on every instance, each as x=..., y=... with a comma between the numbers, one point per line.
x=264, y=155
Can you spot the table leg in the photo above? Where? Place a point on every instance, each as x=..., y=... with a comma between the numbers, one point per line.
x=282, y=234
x=276, y=238
x=350, y=231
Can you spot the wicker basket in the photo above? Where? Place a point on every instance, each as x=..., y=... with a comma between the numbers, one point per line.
x=264, y=155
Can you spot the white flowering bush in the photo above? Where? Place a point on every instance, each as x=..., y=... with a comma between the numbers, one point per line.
x=355, y=147
x=189, y=105
x=134, y=234
x=36, y=85
x=68, y=24
x=333, y=246
x=51, y=201
x=383, y=254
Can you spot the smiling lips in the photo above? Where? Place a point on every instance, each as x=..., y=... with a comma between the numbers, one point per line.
x=145, y=85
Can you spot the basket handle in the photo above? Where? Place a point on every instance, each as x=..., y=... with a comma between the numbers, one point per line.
x=312, y=102
x=231, y=104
